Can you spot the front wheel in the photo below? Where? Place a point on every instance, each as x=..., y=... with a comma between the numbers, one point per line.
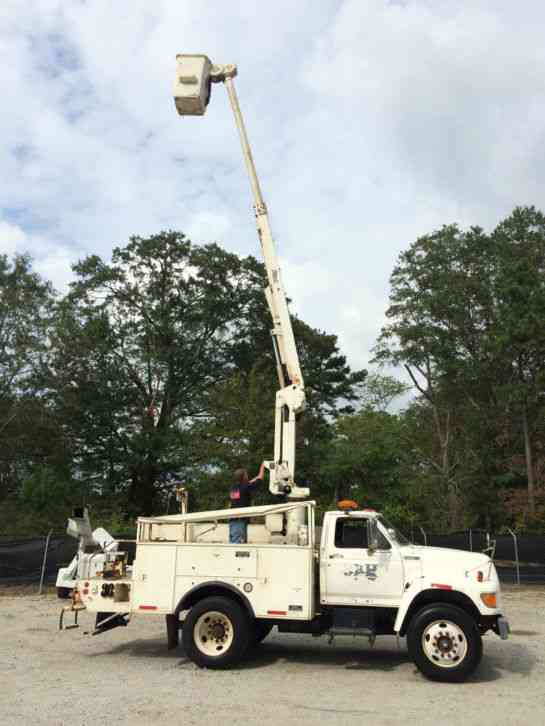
x=216, y=633
x=445, y=643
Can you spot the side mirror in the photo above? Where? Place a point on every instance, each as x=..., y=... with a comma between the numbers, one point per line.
x=372, y=535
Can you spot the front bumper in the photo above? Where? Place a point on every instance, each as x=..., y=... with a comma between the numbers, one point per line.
x=498, y=623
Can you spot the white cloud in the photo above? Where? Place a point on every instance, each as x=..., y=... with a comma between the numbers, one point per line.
x=56, y=266
x=52, y=262
x=11, y=238
x=372, y=122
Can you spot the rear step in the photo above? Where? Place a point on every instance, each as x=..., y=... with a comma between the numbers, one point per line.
x=74, y=608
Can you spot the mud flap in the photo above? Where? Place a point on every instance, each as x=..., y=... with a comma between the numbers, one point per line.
x=173, y=631
x=503, y=628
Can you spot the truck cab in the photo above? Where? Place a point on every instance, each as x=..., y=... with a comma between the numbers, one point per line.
x=443, y=600
x=361, y=561
x=366, y=562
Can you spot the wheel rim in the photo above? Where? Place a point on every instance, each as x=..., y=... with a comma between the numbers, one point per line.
x=444, y=643
x=213, y=633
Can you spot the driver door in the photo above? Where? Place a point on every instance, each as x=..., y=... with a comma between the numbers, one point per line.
x=355, y=575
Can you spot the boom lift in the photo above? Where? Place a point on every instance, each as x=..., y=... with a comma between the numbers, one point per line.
x=195, y=75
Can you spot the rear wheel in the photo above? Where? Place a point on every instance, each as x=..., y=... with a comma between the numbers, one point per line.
x=64, y=592
x=216, y=633
x=445, y=643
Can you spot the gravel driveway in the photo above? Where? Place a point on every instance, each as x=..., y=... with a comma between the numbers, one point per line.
x=127, y=676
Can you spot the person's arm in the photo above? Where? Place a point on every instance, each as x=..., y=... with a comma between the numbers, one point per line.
x=260, y=476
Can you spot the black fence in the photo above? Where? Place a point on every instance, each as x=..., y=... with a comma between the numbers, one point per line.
x=22, y=560
x=519, y=559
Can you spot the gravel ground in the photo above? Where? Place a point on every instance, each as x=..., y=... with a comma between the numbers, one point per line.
x=127, y=676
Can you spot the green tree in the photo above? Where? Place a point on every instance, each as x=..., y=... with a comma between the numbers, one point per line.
x=519, y=334
x=163, y=363
x=378, y=392
x=26, y=302
x=139, y=344
x=239, y=430
x=439, y=308
x=464, y=321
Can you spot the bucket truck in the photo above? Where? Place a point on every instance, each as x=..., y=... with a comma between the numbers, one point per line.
x=361, y=577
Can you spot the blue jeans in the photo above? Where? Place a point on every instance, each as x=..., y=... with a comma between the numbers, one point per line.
x=237, y=530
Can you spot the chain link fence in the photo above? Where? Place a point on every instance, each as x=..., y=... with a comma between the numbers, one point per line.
x=519, y=558
x=37, y=559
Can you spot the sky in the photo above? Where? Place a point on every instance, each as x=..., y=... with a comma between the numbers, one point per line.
x=372, y=122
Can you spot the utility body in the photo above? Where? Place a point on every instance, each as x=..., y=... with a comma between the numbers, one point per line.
x=359, y=577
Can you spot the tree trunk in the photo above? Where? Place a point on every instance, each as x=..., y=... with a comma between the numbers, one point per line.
x=443, y=436
x=443, y=430
x=142, y=490
x=529, y=462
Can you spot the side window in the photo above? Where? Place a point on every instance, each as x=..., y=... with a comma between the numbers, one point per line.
x=382, y=542
x=351, y=533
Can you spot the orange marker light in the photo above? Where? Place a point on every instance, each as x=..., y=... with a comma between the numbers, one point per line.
x=345, y=504
x=489, y=599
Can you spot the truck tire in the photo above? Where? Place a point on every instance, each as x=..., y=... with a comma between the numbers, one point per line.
x=216, y=633
x=444, y=642
x=64, y=592
x=260, y=631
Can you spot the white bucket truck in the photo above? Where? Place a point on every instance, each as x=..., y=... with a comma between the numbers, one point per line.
x=361, y=577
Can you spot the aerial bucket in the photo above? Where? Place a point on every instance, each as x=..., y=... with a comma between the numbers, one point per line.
x=192, y=84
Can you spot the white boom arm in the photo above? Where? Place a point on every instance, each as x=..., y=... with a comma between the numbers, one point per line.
x=191, y=94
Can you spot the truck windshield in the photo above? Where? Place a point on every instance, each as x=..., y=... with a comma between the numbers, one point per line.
x=393, y=532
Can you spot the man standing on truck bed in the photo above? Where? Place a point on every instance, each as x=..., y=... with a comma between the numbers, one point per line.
x=240, y=495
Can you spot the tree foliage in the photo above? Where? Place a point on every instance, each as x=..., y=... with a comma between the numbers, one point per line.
x=162, y=365
x=158, y=366
x=464, y=320
x=26, y=303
